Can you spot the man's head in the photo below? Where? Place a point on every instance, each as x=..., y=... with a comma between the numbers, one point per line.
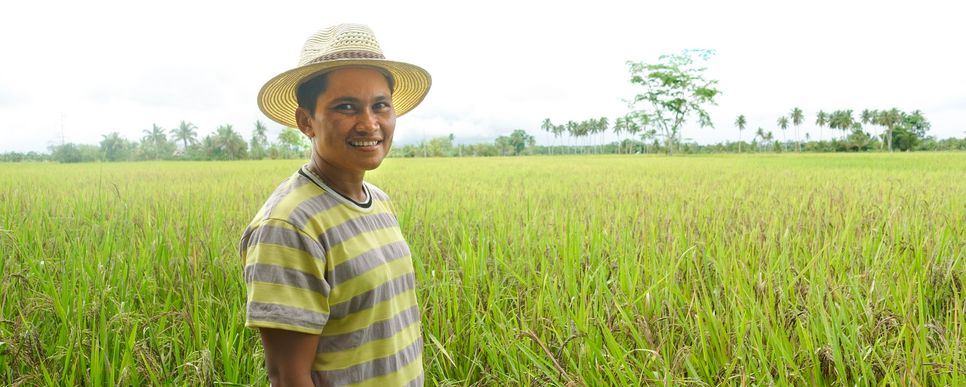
x=344, y=45
x=351, y=122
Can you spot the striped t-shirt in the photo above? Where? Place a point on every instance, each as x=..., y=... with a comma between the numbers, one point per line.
x=319, y=263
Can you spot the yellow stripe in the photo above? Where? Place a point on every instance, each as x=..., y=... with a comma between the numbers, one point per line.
x=372, y=350
x=382, y=311
x=278, y=325
x=340, y=214
x=269, y=293
x=284, y=256
x=379, y=275
x=291, y=200
x=355, y=246
x=400, y=377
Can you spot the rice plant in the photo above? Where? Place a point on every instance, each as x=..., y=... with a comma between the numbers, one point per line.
x=570, y=270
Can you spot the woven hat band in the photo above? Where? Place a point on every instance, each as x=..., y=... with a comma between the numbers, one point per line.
x=349, y=54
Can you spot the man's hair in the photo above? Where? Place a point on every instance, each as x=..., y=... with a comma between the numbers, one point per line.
x=309, y=91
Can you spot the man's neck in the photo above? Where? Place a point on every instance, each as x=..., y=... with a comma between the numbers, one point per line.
x=349, y=184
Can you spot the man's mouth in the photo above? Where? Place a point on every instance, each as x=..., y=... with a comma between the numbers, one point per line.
x=365, y=143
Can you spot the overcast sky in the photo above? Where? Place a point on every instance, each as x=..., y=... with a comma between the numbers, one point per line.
x=87, y=68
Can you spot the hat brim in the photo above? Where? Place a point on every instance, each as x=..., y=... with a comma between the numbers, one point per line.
x=277, y=98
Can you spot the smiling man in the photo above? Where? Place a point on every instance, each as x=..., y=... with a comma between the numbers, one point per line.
x=330, y=279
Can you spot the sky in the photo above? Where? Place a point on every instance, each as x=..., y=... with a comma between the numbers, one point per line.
x=76, y=70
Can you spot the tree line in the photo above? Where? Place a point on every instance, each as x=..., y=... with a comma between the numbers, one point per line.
x=179, y=143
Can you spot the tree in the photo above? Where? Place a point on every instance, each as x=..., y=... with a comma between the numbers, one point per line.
x=821, y=119
x=760, y=133
x=185, y=132
x=910, y=131
x=842, y=120
x=602, y=125
x=548, y=127
x=155, y=143
x=229, y=143
x=259, y=141
x=572, y=130
x=519, y=140
x=674, y=89
x=797, y=119
x=783, y=124
x=619, y=127
x=114, y=147
x=293, y=143
x=740, y=122
x=891, y=119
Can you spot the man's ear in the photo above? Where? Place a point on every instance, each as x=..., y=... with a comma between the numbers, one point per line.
x=303, y=119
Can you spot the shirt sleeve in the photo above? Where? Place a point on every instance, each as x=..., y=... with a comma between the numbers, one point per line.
x=284, y=277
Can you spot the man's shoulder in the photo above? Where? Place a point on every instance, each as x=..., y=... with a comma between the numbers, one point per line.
x=295, y=201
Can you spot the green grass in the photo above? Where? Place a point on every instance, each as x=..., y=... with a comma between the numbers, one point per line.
x=612, y=270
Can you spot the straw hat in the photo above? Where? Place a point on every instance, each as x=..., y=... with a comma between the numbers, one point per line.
x=340, y=46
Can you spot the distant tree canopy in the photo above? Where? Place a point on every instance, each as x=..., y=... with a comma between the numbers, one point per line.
x=674, y=89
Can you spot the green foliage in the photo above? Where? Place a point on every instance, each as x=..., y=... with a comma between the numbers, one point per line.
x=293, y=144
x=259, y=141
x=155, y=144
x=115, y=148
x=674, y=89
x=74, y=153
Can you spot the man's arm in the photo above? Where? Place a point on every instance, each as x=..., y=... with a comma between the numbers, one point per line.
x=289, y=356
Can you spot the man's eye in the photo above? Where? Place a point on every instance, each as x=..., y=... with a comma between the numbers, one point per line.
x=380, y=106
x=344, y=107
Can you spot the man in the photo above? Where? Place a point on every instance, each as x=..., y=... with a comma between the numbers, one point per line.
x=330, y=279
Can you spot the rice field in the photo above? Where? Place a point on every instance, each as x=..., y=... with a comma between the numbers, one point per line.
x=846, y=269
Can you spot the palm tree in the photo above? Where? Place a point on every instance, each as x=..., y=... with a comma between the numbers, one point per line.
x=113, y=146
x=602, y=125
x=760, y=133
x=890, y=119
x=740, y=122
x=185, y=132
x=156, y=140
x=548, y=127
x=572, y=132
x=821, y=119
x=619, y=126
x=259, y=141
x=841, y=120
x=230, y=142
x=558, y=130
x=783, y=123
x=797, y=119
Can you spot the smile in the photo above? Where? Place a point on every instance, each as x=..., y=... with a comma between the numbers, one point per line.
x=361, y=144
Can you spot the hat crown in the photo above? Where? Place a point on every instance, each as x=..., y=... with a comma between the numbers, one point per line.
x=344, y=41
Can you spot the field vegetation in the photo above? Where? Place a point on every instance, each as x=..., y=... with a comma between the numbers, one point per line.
x=792, y=269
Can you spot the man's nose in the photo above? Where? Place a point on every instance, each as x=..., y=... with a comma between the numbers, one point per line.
x=368, y=121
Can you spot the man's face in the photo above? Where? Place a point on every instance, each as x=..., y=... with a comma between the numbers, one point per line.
x=354, y=119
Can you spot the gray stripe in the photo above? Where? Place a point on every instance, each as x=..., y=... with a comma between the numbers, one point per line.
x=284, y=189
x=366, y=300
x=286, y=315
x=311, y=207
x=417, y=382
x=375, y=368
x=376, y=331
x=356, y=226
x=367, y=261
x=285, y=276
x=285, y=237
